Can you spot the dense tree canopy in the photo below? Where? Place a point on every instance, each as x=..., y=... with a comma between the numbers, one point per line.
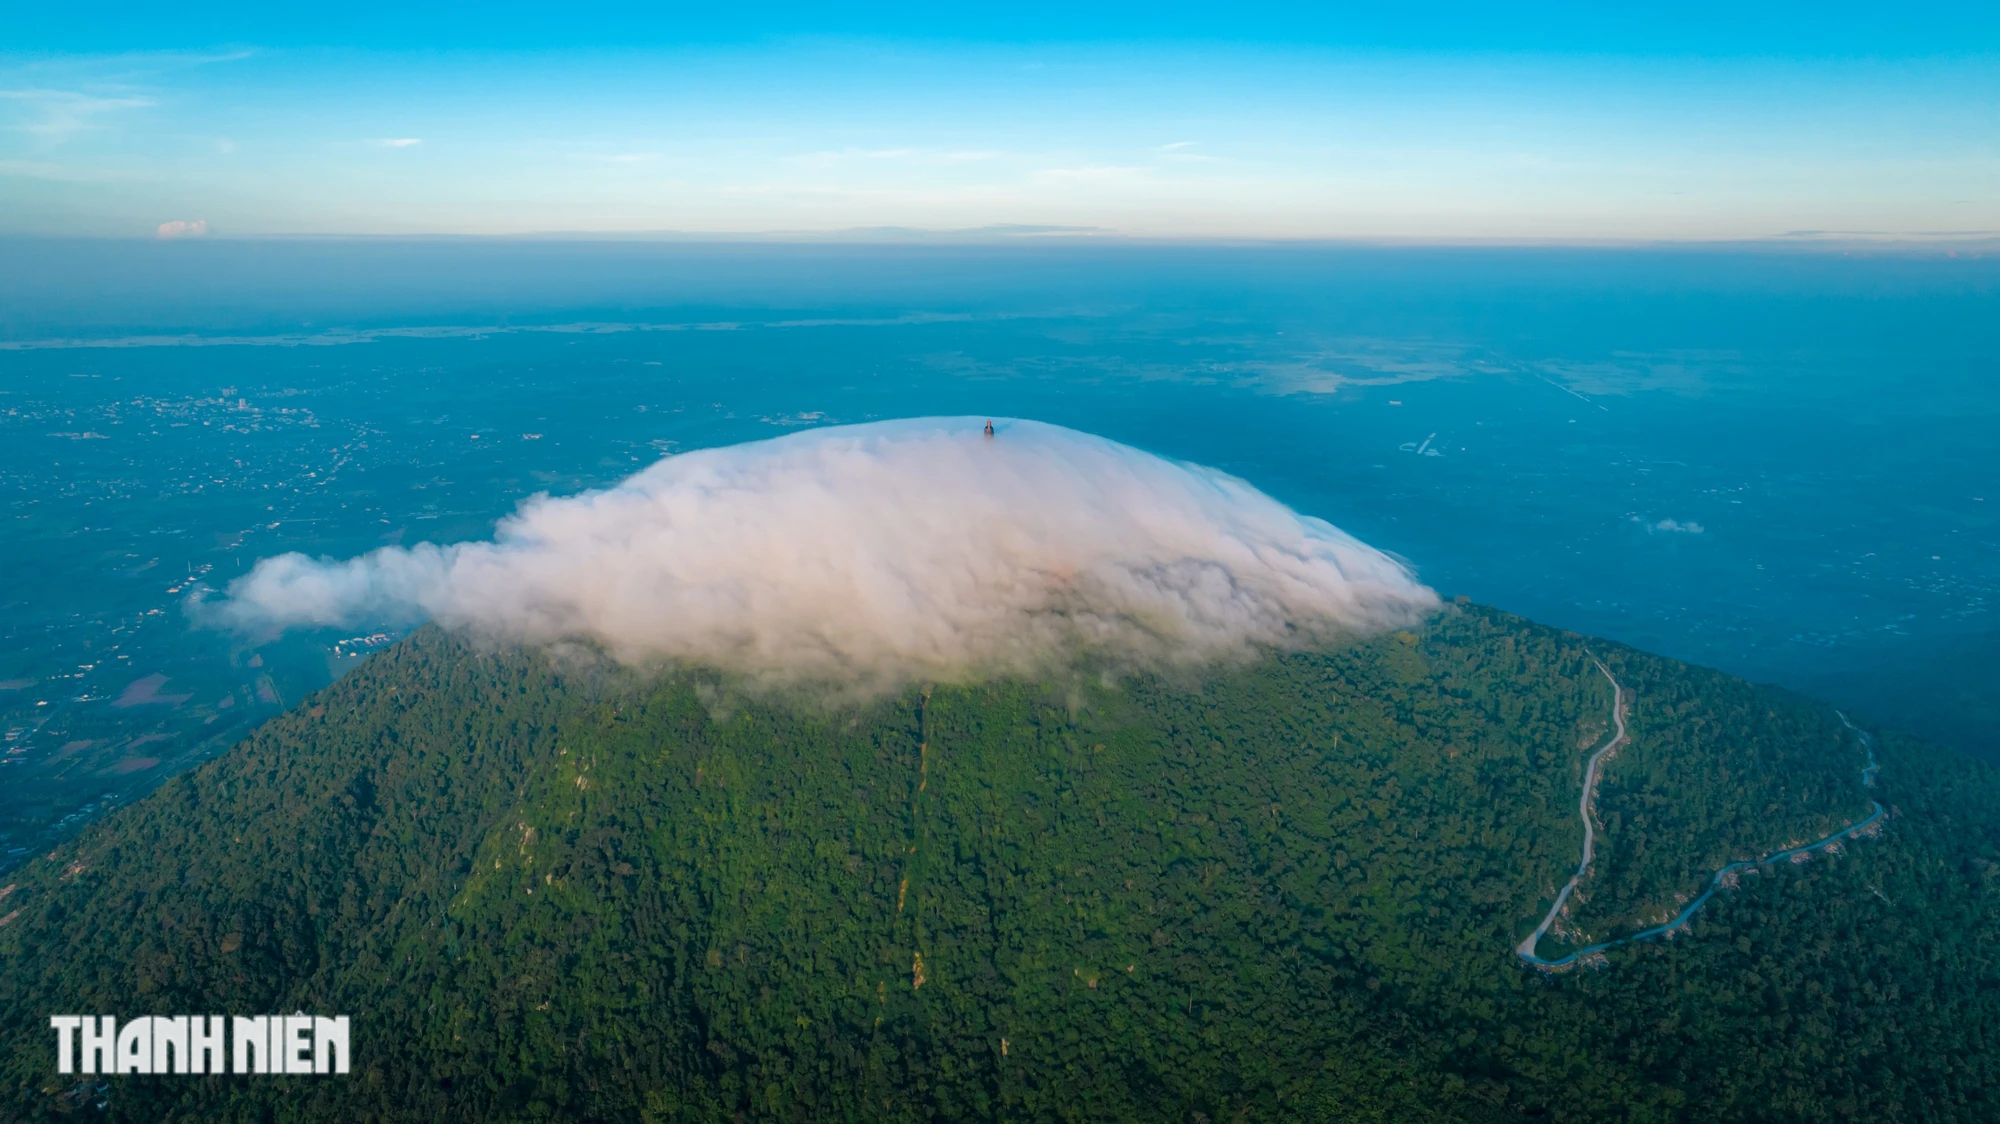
x=549, y=890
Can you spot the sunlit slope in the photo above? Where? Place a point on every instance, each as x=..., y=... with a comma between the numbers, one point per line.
x=1292, y=888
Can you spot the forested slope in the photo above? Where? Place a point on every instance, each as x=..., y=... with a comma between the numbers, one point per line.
x=1289, y=890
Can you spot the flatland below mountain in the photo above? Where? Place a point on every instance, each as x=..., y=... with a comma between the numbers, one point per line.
x=1293, y=889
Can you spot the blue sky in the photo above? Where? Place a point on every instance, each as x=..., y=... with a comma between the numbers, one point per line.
x=1460, y=123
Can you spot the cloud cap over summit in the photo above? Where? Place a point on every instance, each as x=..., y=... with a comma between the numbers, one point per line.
x=872, y=554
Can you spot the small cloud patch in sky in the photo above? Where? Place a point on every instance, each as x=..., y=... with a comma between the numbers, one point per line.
x=400, y=142
x=179, y=228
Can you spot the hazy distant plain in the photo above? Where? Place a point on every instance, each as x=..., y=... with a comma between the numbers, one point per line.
x=1778, y=463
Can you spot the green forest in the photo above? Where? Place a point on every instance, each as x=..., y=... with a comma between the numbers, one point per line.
x=554, y=889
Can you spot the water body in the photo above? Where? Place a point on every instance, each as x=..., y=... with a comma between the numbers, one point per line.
x=1775, y=462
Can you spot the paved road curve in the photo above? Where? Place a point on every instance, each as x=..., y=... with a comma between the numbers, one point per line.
x=1725, y=877
x=1591, y=774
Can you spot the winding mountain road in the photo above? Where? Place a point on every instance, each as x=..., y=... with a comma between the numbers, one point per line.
x=1724, y=877
x=1591, y=774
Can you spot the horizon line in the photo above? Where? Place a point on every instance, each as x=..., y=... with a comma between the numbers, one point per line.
x=1023, y=234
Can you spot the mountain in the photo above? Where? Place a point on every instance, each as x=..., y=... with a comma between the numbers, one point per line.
x=546, y=888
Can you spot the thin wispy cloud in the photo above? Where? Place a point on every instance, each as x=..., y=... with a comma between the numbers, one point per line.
x=837, y=156
x=1100, y=173
x=1183, y=151
x=615, y=157
x=154, y=62
x=208, y=58
x=68, y=173
x=61, y=114
x=1263, y=144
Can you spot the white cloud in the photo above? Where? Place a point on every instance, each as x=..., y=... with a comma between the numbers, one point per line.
x=60, y=114
x=182, y=229
x=831, y=157
x=868, y=555
x=67, y=173
x=1672, y=526
x=400, y=142
x=1101, y=173
x=1183, y=152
